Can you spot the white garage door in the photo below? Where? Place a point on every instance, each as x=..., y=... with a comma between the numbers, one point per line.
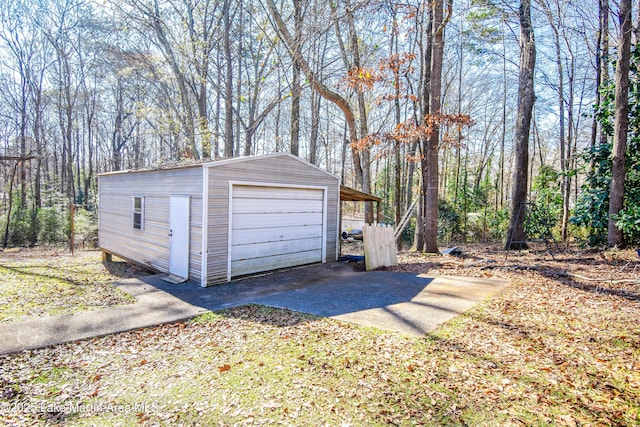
x=275, y=227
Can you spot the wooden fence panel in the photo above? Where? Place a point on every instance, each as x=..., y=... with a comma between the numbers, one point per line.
x=379, y=246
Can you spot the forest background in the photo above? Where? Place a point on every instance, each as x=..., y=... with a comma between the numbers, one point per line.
x=413, y=101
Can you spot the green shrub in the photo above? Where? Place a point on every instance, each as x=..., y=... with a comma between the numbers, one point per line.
x=498, y=225
x=628, y=220
x=86, y=222
x=448, y=222
x=52, y=226
x=23, y=229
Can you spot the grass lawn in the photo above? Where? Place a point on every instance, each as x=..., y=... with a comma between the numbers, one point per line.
x=50, y=281
x=548, y=350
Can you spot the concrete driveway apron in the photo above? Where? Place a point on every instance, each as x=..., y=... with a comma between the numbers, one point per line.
x=402, y=302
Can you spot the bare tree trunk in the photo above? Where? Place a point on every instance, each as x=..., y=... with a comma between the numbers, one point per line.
x=566, y=132
x=503, y=134
x=431, y=172
x=117, y=137
x=239, y=55
x=315, y=124
x=362, y=114
x=397, y=151
x=89, y=170
x=202, y=47
x=228, y=82
x=23, y=141
x=526, y=99
x=566, y=198
x=216, y=136
x=296, y=88
x=276, y=132
x=602, y=72
x=320, y=49
x=66, y=125
x=186, y=118
x=621, y=125
x=411, y=168
x=320, y=87
x=294, y=144
x=7, y=224
x=427, y=51
x=203, y=122
x=38, y=136
x=564, y=142
x=418, y=238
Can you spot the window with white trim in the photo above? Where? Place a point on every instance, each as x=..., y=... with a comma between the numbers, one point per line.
x=138, y=213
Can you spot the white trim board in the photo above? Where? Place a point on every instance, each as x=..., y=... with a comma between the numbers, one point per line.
x=204, y=256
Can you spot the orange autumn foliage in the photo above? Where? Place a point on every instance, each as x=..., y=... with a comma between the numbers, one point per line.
x=390, y=73
x=450, y=125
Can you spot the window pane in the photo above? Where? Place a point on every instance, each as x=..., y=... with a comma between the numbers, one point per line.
x=138, y=212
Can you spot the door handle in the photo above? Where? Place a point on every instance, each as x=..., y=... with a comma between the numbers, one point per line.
x=170, y=233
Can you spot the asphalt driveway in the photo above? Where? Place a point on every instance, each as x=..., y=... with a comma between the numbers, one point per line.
x=403, y=302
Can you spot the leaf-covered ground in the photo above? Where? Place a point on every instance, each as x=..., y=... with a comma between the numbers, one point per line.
x=557, y=347
x=50, y=281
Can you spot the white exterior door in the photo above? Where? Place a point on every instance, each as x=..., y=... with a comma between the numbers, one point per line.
x=179, y=211
x=275, y=227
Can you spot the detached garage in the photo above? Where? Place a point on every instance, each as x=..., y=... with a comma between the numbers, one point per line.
x=216, y=221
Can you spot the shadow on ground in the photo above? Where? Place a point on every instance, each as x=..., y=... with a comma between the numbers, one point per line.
x=323, y=290
x=397, y=301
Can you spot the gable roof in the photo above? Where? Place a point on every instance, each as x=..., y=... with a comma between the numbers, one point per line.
x=217, y=163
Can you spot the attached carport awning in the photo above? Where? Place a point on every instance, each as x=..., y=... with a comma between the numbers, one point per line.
x=348, y=194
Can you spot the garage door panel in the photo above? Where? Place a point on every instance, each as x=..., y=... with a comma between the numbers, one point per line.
x=257, y=250
x=276, y=206
x=275, y=227
x=264, y=235
x=270, y=220
x=254, y=265
x=250, y=192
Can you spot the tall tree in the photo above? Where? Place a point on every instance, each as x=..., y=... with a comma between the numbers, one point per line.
x=202, y=23
x=356, y=64
x=598, y=135
x=325, y=91
x=555, y=23
x=159, y=26
x=22, y=45
x=228, y=80
x=621, y=124
x=516, y=238
x=155, y=20
x=430, y=173
x=296, y=87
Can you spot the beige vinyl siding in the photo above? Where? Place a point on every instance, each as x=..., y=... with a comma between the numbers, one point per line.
x=281, y=169
x=151, y=244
